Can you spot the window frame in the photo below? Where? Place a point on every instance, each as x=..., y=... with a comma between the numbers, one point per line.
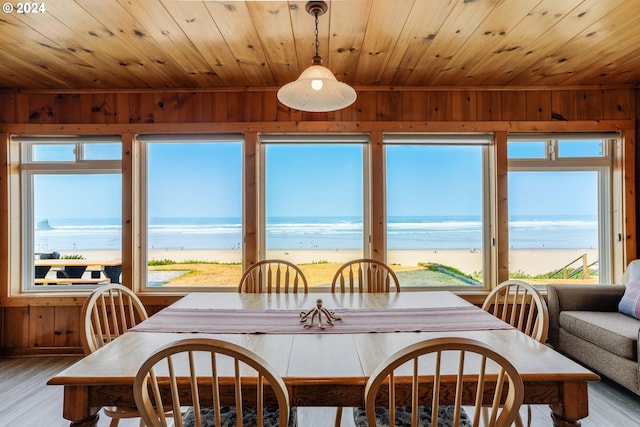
x=266, y=139
x=619, y=187
x=609, y=176
x=485, y=140
x=144, y=140
x=29, y=169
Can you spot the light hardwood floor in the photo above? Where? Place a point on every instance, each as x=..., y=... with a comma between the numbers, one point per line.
x=26, y=400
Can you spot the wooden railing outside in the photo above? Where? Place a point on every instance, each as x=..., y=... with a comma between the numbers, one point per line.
x=584, y=268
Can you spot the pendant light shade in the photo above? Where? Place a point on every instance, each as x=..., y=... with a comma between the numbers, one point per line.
x=317, y=90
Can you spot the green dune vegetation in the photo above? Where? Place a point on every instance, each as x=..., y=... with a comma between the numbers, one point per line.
x=318, y=273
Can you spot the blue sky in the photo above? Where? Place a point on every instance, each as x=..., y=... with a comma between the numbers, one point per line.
x=312, y=180
x=553, y=193
x=434, y=181
x=78, y=196
x=205, y=180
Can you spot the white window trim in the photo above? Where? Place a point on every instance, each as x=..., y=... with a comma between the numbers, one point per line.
x=316, y=139
x=608, y=181
x=486, y=142
x=143, y=196
x=28, y=170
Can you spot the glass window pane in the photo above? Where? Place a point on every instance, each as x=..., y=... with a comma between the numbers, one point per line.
x=314, y=211
x=434, y=214
x=587, y=148
x=526, y=149
x=553, y=226
x=54, y=152
x=105, y=151
x=78, y=216
x=194, y=234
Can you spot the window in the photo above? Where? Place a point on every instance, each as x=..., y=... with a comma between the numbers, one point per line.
x=435, y=207
x=314, y=209
x=193, y=211
x=560, y=208
x=72, y=212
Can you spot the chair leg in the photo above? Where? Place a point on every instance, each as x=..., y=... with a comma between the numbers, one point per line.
x=114, y=422
x=142, y=424
x=338, y=416
x=518, y=421
x=485, y=416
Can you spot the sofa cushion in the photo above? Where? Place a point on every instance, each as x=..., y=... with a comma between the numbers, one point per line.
x=615, y=332
x=630, y=302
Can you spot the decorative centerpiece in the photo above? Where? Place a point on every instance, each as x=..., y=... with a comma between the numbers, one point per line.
x=318, y=311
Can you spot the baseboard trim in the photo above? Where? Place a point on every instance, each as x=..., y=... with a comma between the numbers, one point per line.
x=41, y=351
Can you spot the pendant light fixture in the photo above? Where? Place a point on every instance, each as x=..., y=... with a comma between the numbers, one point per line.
x=316, y=90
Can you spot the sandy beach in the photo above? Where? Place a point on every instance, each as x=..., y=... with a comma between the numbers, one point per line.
x=529, y=261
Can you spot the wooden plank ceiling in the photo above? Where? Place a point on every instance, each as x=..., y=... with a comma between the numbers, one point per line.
x=131, y=44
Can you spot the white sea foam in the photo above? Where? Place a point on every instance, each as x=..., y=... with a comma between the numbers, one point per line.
x=321, y=233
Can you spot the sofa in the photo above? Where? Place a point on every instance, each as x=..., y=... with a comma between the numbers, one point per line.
x=585, y=324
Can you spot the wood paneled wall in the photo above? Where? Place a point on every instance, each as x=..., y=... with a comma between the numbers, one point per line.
x=50, y=325
x=371, y=105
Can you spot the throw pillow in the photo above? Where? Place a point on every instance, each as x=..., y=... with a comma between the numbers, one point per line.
x=633, y=272
x=630, y=302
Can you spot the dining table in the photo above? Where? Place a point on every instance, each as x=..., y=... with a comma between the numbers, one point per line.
x=322, y=366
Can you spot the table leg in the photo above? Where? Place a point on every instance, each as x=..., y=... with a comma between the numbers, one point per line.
x=77, y=408
x=573, y=407
x=90, y=421
x=560, y=421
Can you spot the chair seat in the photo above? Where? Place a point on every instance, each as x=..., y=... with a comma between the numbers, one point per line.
x=229, y=417
x=403, y=417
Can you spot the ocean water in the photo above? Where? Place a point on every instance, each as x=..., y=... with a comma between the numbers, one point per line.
x=319, y=233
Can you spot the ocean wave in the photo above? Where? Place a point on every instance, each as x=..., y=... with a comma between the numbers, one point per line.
x=314, y=228
x=539, y=224
x=195, y=229
x=327, y=233
x=329, y=229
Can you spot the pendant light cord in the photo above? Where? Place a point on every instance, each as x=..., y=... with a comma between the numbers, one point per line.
x=317, y=60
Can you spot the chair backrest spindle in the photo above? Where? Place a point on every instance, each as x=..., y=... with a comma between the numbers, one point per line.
x=432, y=365
x=109, y=312
x=273, y=276
x=521, y=305
x=365, y=275
x=227, y=363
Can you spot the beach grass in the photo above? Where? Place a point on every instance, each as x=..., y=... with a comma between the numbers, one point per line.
x=317, y=273
x=201, y=273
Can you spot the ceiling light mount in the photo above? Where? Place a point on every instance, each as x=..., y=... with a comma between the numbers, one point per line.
x=317, y=90
x=316, y=8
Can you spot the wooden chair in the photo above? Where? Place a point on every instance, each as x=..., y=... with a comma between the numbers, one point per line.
x=273, y=276
x=109, y=312
x=522, y=306
x=211, y=369
x=359, y=276
x=365, y=275
x=442, y=368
